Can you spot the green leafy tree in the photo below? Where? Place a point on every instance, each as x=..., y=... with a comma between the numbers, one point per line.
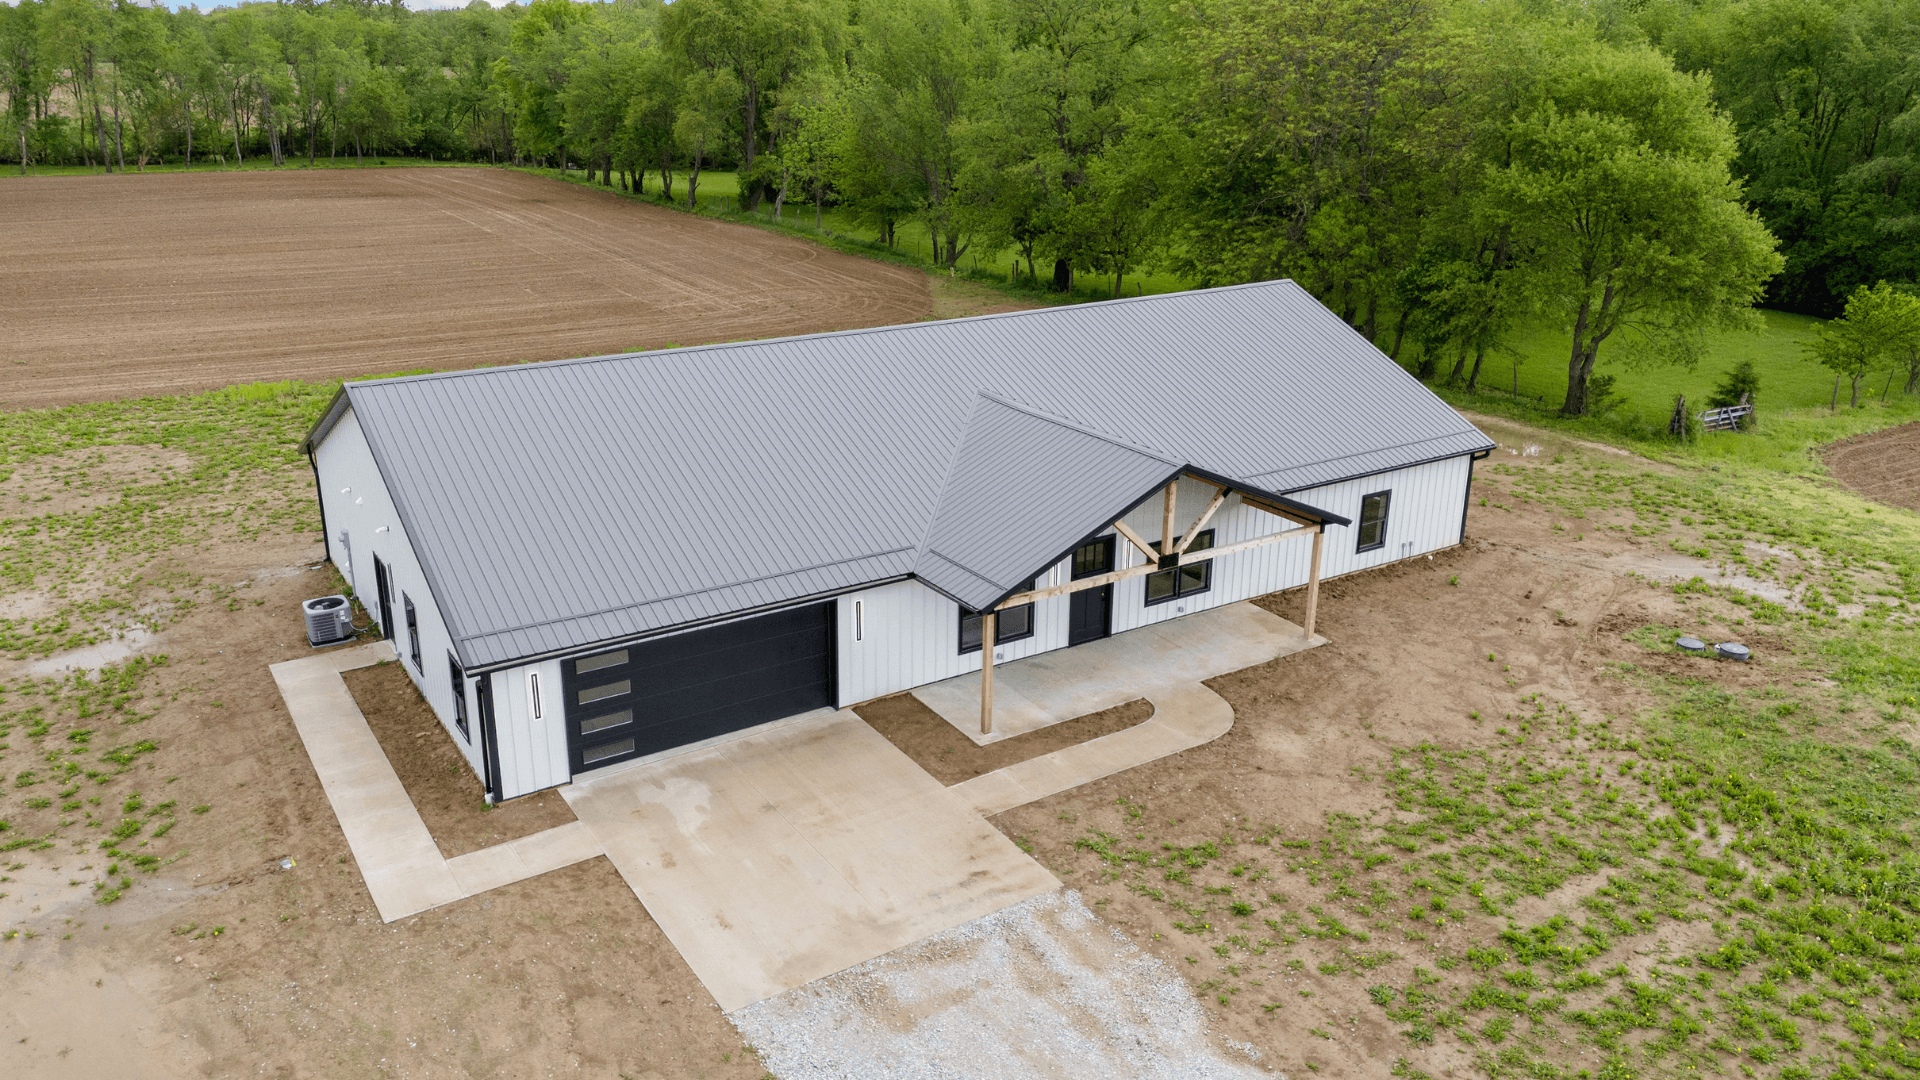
x=1619, y=184
x=25, y=76
x=1881, y=324
x=758, y=46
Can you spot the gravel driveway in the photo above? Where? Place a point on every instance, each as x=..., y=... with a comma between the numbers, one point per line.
x=1040, y=989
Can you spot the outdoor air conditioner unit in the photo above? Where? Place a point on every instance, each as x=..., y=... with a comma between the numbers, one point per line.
x=329, y=619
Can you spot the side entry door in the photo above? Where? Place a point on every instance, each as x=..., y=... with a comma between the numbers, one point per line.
x=1090, y=611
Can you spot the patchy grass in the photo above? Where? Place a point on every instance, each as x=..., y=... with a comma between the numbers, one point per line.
x=1726, y=881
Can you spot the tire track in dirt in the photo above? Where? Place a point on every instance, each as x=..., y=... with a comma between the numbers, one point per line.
x=125, y=286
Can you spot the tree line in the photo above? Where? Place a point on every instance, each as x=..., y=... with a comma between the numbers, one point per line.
x=1433, y=170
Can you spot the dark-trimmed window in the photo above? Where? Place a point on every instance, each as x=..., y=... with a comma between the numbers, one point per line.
x=413, y=634
x=459, y=696
x=1372, y=532
x=1182, y=581
x=1014, y=623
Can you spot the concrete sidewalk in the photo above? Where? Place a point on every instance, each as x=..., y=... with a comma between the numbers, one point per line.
x=1163, y=664
x=798, y=851
x=396, y=855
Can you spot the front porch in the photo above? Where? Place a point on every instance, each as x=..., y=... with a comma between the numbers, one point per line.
x=1063, y=684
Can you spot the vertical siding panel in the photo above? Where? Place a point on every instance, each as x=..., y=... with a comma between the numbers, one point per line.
x=345, y=460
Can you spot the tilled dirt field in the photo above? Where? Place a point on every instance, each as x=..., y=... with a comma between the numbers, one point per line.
x=127, y=286
x=1884, y=465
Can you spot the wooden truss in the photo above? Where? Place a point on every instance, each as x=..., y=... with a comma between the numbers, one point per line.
x=1164, y=556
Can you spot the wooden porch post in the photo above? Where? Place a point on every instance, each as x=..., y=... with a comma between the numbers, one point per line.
x=986, y=669
x=1313, y=578
x=1166, y=518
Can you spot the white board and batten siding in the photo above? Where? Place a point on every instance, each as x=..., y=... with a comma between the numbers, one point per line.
x=905, y=634
x=533, y=752
x=358, y=507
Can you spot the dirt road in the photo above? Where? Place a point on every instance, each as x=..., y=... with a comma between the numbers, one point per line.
x=128, y=286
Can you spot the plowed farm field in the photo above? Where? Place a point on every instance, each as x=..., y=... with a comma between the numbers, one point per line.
x=1884, y=465
x=130, y=286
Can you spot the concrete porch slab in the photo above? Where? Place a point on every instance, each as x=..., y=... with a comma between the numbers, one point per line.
x=797, y=852
x=1038, y=691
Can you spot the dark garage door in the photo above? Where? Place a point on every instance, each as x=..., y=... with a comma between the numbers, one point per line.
x=645, y=698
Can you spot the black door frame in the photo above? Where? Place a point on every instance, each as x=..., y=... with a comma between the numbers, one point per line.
x=382, y=578
x=1103, y=594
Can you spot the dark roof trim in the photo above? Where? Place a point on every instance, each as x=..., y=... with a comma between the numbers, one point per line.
x=1475, y=454
x=324, y=426
x=681, y=628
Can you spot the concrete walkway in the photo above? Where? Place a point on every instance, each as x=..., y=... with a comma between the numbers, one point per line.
x=1042, y=690
x=1163, y=664
x=397, y=857
x=799, y=851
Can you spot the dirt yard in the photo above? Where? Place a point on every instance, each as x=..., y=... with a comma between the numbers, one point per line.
x=222, y=964
x=1884, y=465
x=127, y=286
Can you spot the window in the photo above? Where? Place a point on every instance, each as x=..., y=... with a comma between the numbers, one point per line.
x=413, y=633
x=1013, y=624
x=459, y=696
x=1183, y=580
x=1373, y=520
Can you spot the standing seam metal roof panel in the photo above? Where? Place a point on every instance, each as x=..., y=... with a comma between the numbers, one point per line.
x=638, y=492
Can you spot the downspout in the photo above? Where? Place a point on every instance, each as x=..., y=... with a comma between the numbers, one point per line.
x=1468, y=500
x=491, y=751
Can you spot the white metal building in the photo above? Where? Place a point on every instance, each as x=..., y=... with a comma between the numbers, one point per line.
x=589, y=561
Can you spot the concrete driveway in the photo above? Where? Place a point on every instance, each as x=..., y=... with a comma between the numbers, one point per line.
x=799, y=851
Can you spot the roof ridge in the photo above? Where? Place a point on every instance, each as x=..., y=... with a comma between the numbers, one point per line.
x=1078, y=426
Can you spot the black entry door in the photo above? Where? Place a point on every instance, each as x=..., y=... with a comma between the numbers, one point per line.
x=385, y=589
x=1090, y=611
x=660, y=694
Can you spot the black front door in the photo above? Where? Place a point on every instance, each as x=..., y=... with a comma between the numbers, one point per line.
x=1090, y=611
x=386, y=597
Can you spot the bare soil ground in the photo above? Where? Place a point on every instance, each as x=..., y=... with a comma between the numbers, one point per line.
x=222, y=964
x=951, y=757
x=126, y=286
x=1884, y=465
x=438, y=779
x=1407, y=662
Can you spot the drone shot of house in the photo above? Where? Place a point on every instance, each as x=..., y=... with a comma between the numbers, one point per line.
x=771, y=540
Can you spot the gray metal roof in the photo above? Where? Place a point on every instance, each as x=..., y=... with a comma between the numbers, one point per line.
x=558, y=505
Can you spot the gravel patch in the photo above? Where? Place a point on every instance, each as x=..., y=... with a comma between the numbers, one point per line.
x=1041, y=989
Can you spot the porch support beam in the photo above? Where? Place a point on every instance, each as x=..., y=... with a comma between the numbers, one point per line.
x=1313, y=579
x=1206, y=515
x=1133, y=538
x=1109, y=578
x=1276, y=510
x=986, y=671
x=1167, y=516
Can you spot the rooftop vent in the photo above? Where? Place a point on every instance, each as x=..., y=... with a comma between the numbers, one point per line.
x=329, y=619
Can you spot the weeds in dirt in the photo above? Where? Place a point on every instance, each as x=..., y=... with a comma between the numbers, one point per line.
x=1729, y=879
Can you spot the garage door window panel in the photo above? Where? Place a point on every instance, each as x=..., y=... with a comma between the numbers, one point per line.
x=688, y=687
